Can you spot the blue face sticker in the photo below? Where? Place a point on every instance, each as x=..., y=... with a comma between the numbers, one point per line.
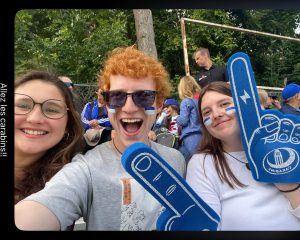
x=229, y=111
x=150, y=110
x=111, y=110
x=207, y=121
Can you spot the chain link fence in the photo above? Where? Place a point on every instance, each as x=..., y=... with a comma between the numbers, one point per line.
x=85, y=93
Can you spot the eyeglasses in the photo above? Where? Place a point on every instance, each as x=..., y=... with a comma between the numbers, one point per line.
x=69, y=84
x=51, y=108
x=116, y=99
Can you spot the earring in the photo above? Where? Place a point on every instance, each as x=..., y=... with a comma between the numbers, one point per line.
x=67, y=135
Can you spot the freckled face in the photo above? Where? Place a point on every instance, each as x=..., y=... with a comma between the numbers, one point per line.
x=223, y=125
x=35, y=133
x=131, y=122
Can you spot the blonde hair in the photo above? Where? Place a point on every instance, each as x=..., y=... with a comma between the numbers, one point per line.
x=188, y=87
x=263, y=96
x=133, y=63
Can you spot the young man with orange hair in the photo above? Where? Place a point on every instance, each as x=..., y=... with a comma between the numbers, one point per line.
x=95, y=186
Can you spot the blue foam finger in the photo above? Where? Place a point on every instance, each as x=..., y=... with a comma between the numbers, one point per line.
x=184, y=209
x=270, y=138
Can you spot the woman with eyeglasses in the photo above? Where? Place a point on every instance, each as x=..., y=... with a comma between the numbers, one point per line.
x=219, y=173
x=95, y=185
x=48, y=131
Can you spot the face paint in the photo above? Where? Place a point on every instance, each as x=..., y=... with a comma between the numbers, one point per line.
x=207, y=121
x=111, y=110
x=150, y=110
x=229, y=111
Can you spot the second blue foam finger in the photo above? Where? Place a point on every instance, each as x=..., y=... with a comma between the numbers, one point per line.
x=185, y=210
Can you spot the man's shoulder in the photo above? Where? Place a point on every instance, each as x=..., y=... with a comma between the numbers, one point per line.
x=221, y=67
x=287, y=109
x=103, y=148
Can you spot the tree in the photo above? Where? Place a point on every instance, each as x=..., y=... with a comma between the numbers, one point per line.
x=72, y=42
x=144, y=31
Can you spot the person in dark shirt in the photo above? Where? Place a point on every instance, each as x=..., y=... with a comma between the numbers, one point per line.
x=291, y=96
x=210, y=72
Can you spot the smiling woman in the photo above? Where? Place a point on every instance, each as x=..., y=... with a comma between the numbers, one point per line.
x=47, y=130
x=220, y=175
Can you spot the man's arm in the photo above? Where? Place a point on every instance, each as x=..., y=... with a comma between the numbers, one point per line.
x=31, y=215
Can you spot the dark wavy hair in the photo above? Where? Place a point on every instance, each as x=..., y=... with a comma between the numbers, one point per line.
x=60, y=154
x=213, y=146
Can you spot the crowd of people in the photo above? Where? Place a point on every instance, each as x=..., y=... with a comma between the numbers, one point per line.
x=68, y=161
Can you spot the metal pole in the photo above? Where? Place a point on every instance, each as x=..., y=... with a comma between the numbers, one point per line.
x=185, y=54
x=243, y=30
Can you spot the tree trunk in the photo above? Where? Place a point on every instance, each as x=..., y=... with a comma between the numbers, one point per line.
x=144, y=31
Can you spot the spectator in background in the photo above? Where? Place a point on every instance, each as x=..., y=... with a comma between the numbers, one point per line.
x=172, y=110
x=291, y=97
x=268, y=101
x=96, y=122
x=48, y=131
x=210, y=72
x=272, y=102
x=188, y=118
x=167, y=118
x=165, y=130
x=68, y=82
x=263, y=98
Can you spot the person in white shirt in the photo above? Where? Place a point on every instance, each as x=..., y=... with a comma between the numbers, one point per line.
x=220, y=174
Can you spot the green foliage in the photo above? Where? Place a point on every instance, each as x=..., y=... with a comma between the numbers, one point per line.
x=272, y=59
x=74, y=42
x=69, y=42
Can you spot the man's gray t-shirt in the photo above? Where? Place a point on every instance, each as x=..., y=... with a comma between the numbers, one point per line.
x=95, y=186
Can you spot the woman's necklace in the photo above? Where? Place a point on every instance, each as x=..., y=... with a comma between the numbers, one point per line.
x=247, y=164
x=116, y=147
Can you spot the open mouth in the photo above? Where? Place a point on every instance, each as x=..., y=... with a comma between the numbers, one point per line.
x=131, y=125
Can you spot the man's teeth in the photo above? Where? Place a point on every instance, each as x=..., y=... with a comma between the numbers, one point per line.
x=34, y=132
x=127, y=120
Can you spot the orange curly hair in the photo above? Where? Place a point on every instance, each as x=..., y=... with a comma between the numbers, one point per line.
x=133, y=63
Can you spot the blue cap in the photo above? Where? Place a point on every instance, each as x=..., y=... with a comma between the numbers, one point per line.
x=290, y=91
x=171, y=101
